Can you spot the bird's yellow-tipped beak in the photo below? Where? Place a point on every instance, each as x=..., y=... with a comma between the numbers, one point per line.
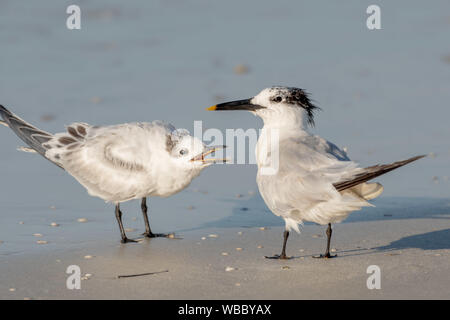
x=245, y=104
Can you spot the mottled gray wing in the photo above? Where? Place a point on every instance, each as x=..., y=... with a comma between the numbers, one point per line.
x=372, y=172
x=31, y=135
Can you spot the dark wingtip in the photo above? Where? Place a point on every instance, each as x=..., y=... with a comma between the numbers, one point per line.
x=416, y=158
x=4, y=110
x=379, y=170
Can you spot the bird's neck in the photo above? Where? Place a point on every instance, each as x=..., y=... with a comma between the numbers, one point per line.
x=285, y=119
x=276, y=129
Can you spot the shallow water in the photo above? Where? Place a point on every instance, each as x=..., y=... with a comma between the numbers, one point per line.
x=384, y=95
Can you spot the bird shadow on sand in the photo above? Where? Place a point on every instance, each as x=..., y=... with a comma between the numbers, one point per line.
x=252, y=212
x=434, y=240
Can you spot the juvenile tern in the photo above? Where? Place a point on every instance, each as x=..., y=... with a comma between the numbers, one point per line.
x=121, y=162
x=315, y=180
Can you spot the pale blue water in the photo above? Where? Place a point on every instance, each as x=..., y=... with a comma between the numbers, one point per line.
x=385, y=95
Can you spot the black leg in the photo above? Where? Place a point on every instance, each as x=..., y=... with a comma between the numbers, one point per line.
x=283, y=251
x=148, y=231
x=122, y=230
x=327, y=254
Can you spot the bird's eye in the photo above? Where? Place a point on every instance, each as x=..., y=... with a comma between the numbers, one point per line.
x=278, y=99
x=183, y=152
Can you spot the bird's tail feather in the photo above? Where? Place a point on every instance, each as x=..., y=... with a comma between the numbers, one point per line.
x=367, y=191
x=372, y=172
x=31, y=135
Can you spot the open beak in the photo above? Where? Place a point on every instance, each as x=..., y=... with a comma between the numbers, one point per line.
x=236, y=105
x=208, y=151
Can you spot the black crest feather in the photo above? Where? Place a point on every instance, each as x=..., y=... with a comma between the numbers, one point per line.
x=298, y=97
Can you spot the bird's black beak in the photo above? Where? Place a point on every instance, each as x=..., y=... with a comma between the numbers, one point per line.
x=236, y=105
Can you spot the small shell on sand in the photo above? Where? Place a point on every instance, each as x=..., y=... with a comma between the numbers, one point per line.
x=129, y=229
x=12, y=289
x=41, y=242
x=285, y=267
x=203, y=238
x=229, y=269
x=262, y=228
x=213, y=236
x=82, y=220
x=47, y=117
x=333, y=250
x=260, y=247
x=239, y=249
x=96, y=100
x=224, y=253
x=87, y=276
x=37, y=234
x=54, y=224
x=88, y=257
x=237, y=284
x=241, y=69
x=21, y=222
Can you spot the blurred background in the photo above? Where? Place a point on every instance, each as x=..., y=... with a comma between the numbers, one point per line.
x=384, y=93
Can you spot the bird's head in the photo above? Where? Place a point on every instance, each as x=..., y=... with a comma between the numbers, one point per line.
x=189, y=152
x=281, y=106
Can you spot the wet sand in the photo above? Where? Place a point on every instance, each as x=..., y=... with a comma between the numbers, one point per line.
x=228, y=263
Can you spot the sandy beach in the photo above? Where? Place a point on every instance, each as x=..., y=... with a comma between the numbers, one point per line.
x=411, y=245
